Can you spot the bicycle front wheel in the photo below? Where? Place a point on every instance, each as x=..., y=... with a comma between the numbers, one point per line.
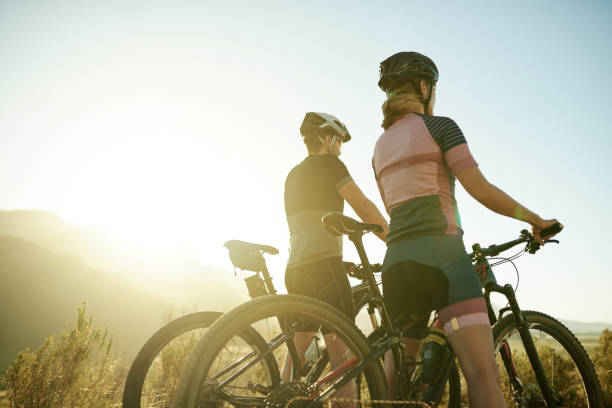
x=223, y=370
x=568, y=367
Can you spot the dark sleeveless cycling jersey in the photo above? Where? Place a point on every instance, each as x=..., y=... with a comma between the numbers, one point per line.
x=311, y=190
x=415, y=162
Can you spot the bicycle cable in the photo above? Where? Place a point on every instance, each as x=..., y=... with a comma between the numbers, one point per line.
x=518, y=276
x=511, y=259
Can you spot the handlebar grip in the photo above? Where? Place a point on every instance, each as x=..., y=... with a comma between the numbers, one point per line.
x=552, y=230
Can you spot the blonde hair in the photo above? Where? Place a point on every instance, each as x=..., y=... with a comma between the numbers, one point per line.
x=401, y=102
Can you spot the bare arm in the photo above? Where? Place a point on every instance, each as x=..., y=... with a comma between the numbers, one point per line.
x=365, y=209
x=498, y=201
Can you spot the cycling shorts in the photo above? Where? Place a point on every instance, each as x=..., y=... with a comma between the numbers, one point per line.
x=428, y=273
x=325, y=280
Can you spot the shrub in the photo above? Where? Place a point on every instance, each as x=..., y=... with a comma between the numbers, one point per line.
x=77, y=368
x=603, y=364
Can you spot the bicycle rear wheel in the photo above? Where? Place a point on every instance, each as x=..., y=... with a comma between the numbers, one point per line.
x=153, y=370
x=153, y=375
x=223, y=370
x=567, y=366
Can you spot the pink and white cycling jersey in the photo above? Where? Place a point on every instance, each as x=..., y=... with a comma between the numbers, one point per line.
x=415, y=162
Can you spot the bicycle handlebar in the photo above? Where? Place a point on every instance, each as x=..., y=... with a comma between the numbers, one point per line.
x=532, y=244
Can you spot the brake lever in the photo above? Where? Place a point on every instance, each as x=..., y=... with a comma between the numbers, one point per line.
x=534, y=246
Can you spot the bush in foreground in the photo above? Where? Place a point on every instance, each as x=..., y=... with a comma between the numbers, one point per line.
x=602, y=359
x=76, y=368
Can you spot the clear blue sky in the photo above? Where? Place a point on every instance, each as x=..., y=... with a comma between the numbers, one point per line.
x=161, y=119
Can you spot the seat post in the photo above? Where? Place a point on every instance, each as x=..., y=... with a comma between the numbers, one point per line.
x=268, y=279
x=357, y=241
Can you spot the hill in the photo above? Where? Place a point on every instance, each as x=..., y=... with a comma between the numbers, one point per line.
x=586, y=327
x=41, y=291
x=175, y=276
x=49, y=267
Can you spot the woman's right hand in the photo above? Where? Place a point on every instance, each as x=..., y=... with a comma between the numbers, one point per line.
x=539, y=226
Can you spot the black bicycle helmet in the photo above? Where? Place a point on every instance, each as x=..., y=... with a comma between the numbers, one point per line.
x=317, y=124
x=402, y=67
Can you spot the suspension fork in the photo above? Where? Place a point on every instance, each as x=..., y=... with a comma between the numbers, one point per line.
x=530, y=348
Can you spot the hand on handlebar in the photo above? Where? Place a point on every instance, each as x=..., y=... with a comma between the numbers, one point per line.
x=542, y=225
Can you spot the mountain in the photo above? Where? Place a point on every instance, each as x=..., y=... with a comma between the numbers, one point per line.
x=175, y=276
x=575, y=327
x=48, y=267
x=32, y=225
x=41, y=291
x=586, y=327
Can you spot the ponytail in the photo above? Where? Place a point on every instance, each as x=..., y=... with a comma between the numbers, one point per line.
x=401, y=102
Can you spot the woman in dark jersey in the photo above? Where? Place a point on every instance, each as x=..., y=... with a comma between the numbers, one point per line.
x=426, y=267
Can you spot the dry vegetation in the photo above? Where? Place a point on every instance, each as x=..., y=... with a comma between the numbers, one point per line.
x=162, y=378
x=80, y=368
x=76, y=368
x=602, y=358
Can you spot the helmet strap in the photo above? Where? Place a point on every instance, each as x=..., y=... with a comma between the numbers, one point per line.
x=327, y=146
x=331, y=144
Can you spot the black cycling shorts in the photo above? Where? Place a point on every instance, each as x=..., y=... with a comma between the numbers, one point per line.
x=430, y=273
x=325, y=280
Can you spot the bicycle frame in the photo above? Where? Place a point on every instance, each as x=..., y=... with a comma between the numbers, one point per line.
x=363, y=290
x=489, y=285
x=391, y=339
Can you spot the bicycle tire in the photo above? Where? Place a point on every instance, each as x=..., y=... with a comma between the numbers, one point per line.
x=279, y=307
x=132, y=393
x=563, y=342
x=454, y=387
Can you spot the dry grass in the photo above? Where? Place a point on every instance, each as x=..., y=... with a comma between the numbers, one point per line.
x=76, y=368
x=162, y=378
x=602, y=358
x=80, y=368
x=3, y=400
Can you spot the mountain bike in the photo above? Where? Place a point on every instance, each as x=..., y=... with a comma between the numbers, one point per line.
x=538, y=355
x=154, y=364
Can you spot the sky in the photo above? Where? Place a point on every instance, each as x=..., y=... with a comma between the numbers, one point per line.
x=176, y=123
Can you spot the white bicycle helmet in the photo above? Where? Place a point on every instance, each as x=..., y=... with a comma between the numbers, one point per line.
x=316, y=124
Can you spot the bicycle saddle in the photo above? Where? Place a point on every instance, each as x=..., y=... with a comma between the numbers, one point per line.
x=248, y=256
x=338, y=224
x=234, y=243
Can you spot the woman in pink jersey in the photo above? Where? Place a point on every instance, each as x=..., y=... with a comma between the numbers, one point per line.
x=426, y=267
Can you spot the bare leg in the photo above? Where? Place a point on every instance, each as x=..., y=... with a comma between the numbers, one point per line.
x=339, y=354
x=411, y=350
x=473, y=345
x=301, y=341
